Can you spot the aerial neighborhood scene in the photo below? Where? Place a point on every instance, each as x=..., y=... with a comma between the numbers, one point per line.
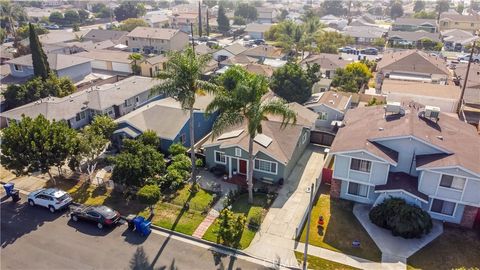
x=240, y=134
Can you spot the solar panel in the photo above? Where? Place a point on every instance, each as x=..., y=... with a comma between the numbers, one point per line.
x=263, y=140
x=231, y=134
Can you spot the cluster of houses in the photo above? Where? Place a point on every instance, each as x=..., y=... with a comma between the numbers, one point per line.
x=415, y=147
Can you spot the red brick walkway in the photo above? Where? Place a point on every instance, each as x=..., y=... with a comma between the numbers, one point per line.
x=209, y=219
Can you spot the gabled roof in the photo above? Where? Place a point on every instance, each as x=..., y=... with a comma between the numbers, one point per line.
x=326, y=61
x=267, y=51
x=257, y=27
x=98, y=98
x=414, y=21
x=414, y=36
x=156, y=59
x=305, y=116
x=102, y=35
x=55, y=61
x=235, y=48
x=460, y=18
x=435, y=91
x=331, y=99
x=153, y=33
x=365, y=125
x=364, y=31
x=412, y=61
x=107, y=55
x=239, y=59
x=259, y=69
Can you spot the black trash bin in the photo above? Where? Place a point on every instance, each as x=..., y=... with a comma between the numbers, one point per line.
x=129, y=219
x=15, y=195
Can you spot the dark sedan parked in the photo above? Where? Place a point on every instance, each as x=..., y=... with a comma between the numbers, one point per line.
x=99, y=214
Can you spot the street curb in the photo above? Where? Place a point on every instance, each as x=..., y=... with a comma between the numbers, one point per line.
x=219, y=246
x=19, y=190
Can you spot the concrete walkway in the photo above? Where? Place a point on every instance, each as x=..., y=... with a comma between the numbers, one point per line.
x=395, y=250
x=274, y=241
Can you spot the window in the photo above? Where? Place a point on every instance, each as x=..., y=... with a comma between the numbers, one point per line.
x=220, y=157
x=80, y=116
x=357, y=189
x=322, y=116
x=266, y=166
x=183, y=138
x=454, y=182
x=17, y=68
x=360, y=165
x=238, y=152
x=304, y=138
x=137, y=99
x=443, y=207
x=128, y=102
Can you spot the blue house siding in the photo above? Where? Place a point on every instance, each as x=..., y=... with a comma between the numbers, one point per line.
x=370, y=199
x=457, y=215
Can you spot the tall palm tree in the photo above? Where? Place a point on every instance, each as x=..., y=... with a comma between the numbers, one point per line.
x=182, y=81
x=241, y=101
x=135, y=57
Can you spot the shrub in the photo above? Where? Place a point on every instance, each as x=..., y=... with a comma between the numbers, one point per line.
x=149, y=194
x=231, y=227
x=199, y=163
x=255, y=220
x=403, y=219
x=177, y=149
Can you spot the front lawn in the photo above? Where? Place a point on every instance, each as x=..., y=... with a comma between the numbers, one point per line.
x=171, y=213
x=242, y=207
x=455, y=248
x=322, y=264
x=341, y=228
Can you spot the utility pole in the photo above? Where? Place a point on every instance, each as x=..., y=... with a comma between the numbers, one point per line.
x=193, y=39
x=208, y=25
x=199, y=20
x=309, y=217
x=465, y=81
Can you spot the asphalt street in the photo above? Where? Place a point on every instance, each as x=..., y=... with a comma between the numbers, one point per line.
x=33, y=238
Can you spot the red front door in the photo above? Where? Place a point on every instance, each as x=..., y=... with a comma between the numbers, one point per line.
x=243, y=166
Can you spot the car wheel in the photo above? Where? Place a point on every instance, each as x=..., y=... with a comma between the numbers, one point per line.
x=100, y=225
x=74, y=218
x=52, y=209
x=31, y=202
x=477, y=61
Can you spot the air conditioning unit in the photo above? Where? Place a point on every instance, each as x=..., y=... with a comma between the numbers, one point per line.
x=432, y=112
x=393, y=107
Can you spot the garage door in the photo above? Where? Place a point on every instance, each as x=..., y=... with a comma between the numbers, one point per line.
x=322, y=138
x=99, y=65
x=121, y=67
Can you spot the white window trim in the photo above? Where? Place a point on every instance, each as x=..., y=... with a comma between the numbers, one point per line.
x=238, y=152
x=371, y=165
x=215, y=157
x=304, y=138
x=355, y=195
x=441, y=214
x=260, y=170
x=18, y=68
x=451, y=188
x=320, y=116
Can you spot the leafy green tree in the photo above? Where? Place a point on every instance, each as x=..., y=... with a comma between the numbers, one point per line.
x=103, y=125
x=71, y=17
x=132, y=23
x=283, y=15
x=333, y=7
x=150, y=195
x=396, y=10
x=243, y=103
x=237, y=20
x=475, y=5
x=137, y=163
x=419, y=6
x=329, y=42
x=39, y=58
x=177, y=149
x=292, y=83
x=230, y=227
x=222, y=20
x=83, y=15
x=150, y=137
x=425, y=15
x=32, y=145
x=442, y=6
x=102, y=11
x=352, y=78
x=24, y=31
x=56, y=17
x=129, y=9
x=135, y=57
x=89, y=145
x=460, y=7
x=3, y=35
x=12, y=12
x=379, y=42
x=182, y=80
x=97, y=7
x=247, y=11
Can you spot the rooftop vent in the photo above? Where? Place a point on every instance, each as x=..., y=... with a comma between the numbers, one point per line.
x=380, y=128
x=331, y=101
x=393, y=107
x=432, y=113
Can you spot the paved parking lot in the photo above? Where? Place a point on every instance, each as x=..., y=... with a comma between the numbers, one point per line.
x=33, y=238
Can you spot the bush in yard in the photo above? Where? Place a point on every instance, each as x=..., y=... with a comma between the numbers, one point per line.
x=173, y=180
x=177, y=149
x=231, y=227
x=254, y=220
x=403, y=219
x=149, y=194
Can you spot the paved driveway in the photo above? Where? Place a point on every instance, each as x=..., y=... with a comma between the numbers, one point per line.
x=274, y=241
x=33, y=238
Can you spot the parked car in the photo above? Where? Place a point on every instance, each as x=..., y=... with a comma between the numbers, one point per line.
x=369, y=51
x=259, y=41
x=246, y=38
x=52, y=198
x=52, y=27
x=99, y=214
x=348, y=50
x=466, y=57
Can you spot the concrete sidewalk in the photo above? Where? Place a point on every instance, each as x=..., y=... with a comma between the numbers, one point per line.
x=274, y=241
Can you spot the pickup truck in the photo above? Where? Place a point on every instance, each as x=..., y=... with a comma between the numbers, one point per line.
x=99, y=214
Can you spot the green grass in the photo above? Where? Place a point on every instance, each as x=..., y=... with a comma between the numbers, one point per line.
x=242, y=207
x=341, y=227
x=171, y=214
x=455, y=248
x=322, y=264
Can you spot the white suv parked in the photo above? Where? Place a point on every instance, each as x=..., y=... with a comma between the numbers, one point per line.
x=51, y=198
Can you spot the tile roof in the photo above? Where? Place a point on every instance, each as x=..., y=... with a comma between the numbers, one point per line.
x=100, y=98
x=412, y=61
x=363, y=125
x=56, y=61
x=153, y=33
x=326, y=61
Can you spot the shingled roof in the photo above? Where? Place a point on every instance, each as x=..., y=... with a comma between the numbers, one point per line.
x=413, y=61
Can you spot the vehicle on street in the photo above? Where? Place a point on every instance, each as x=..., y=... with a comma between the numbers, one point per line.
x=52, y=198
x=466, y=57
x=259, y=41
x=99, y=214
x=369, y=51
x=52, y=27
x=348, y=50
x=246, y=38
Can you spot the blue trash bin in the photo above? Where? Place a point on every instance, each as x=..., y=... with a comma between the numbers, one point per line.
x=137, y=221
x=8, y=188
x=146, y=228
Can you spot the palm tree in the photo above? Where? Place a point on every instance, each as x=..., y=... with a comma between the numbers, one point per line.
x=135, y=57
x=182, y=81
x=241, y=101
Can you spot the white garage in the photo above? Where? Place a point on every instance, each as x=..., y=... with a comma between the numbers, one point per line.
x=116, y=61
x=122, y=67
